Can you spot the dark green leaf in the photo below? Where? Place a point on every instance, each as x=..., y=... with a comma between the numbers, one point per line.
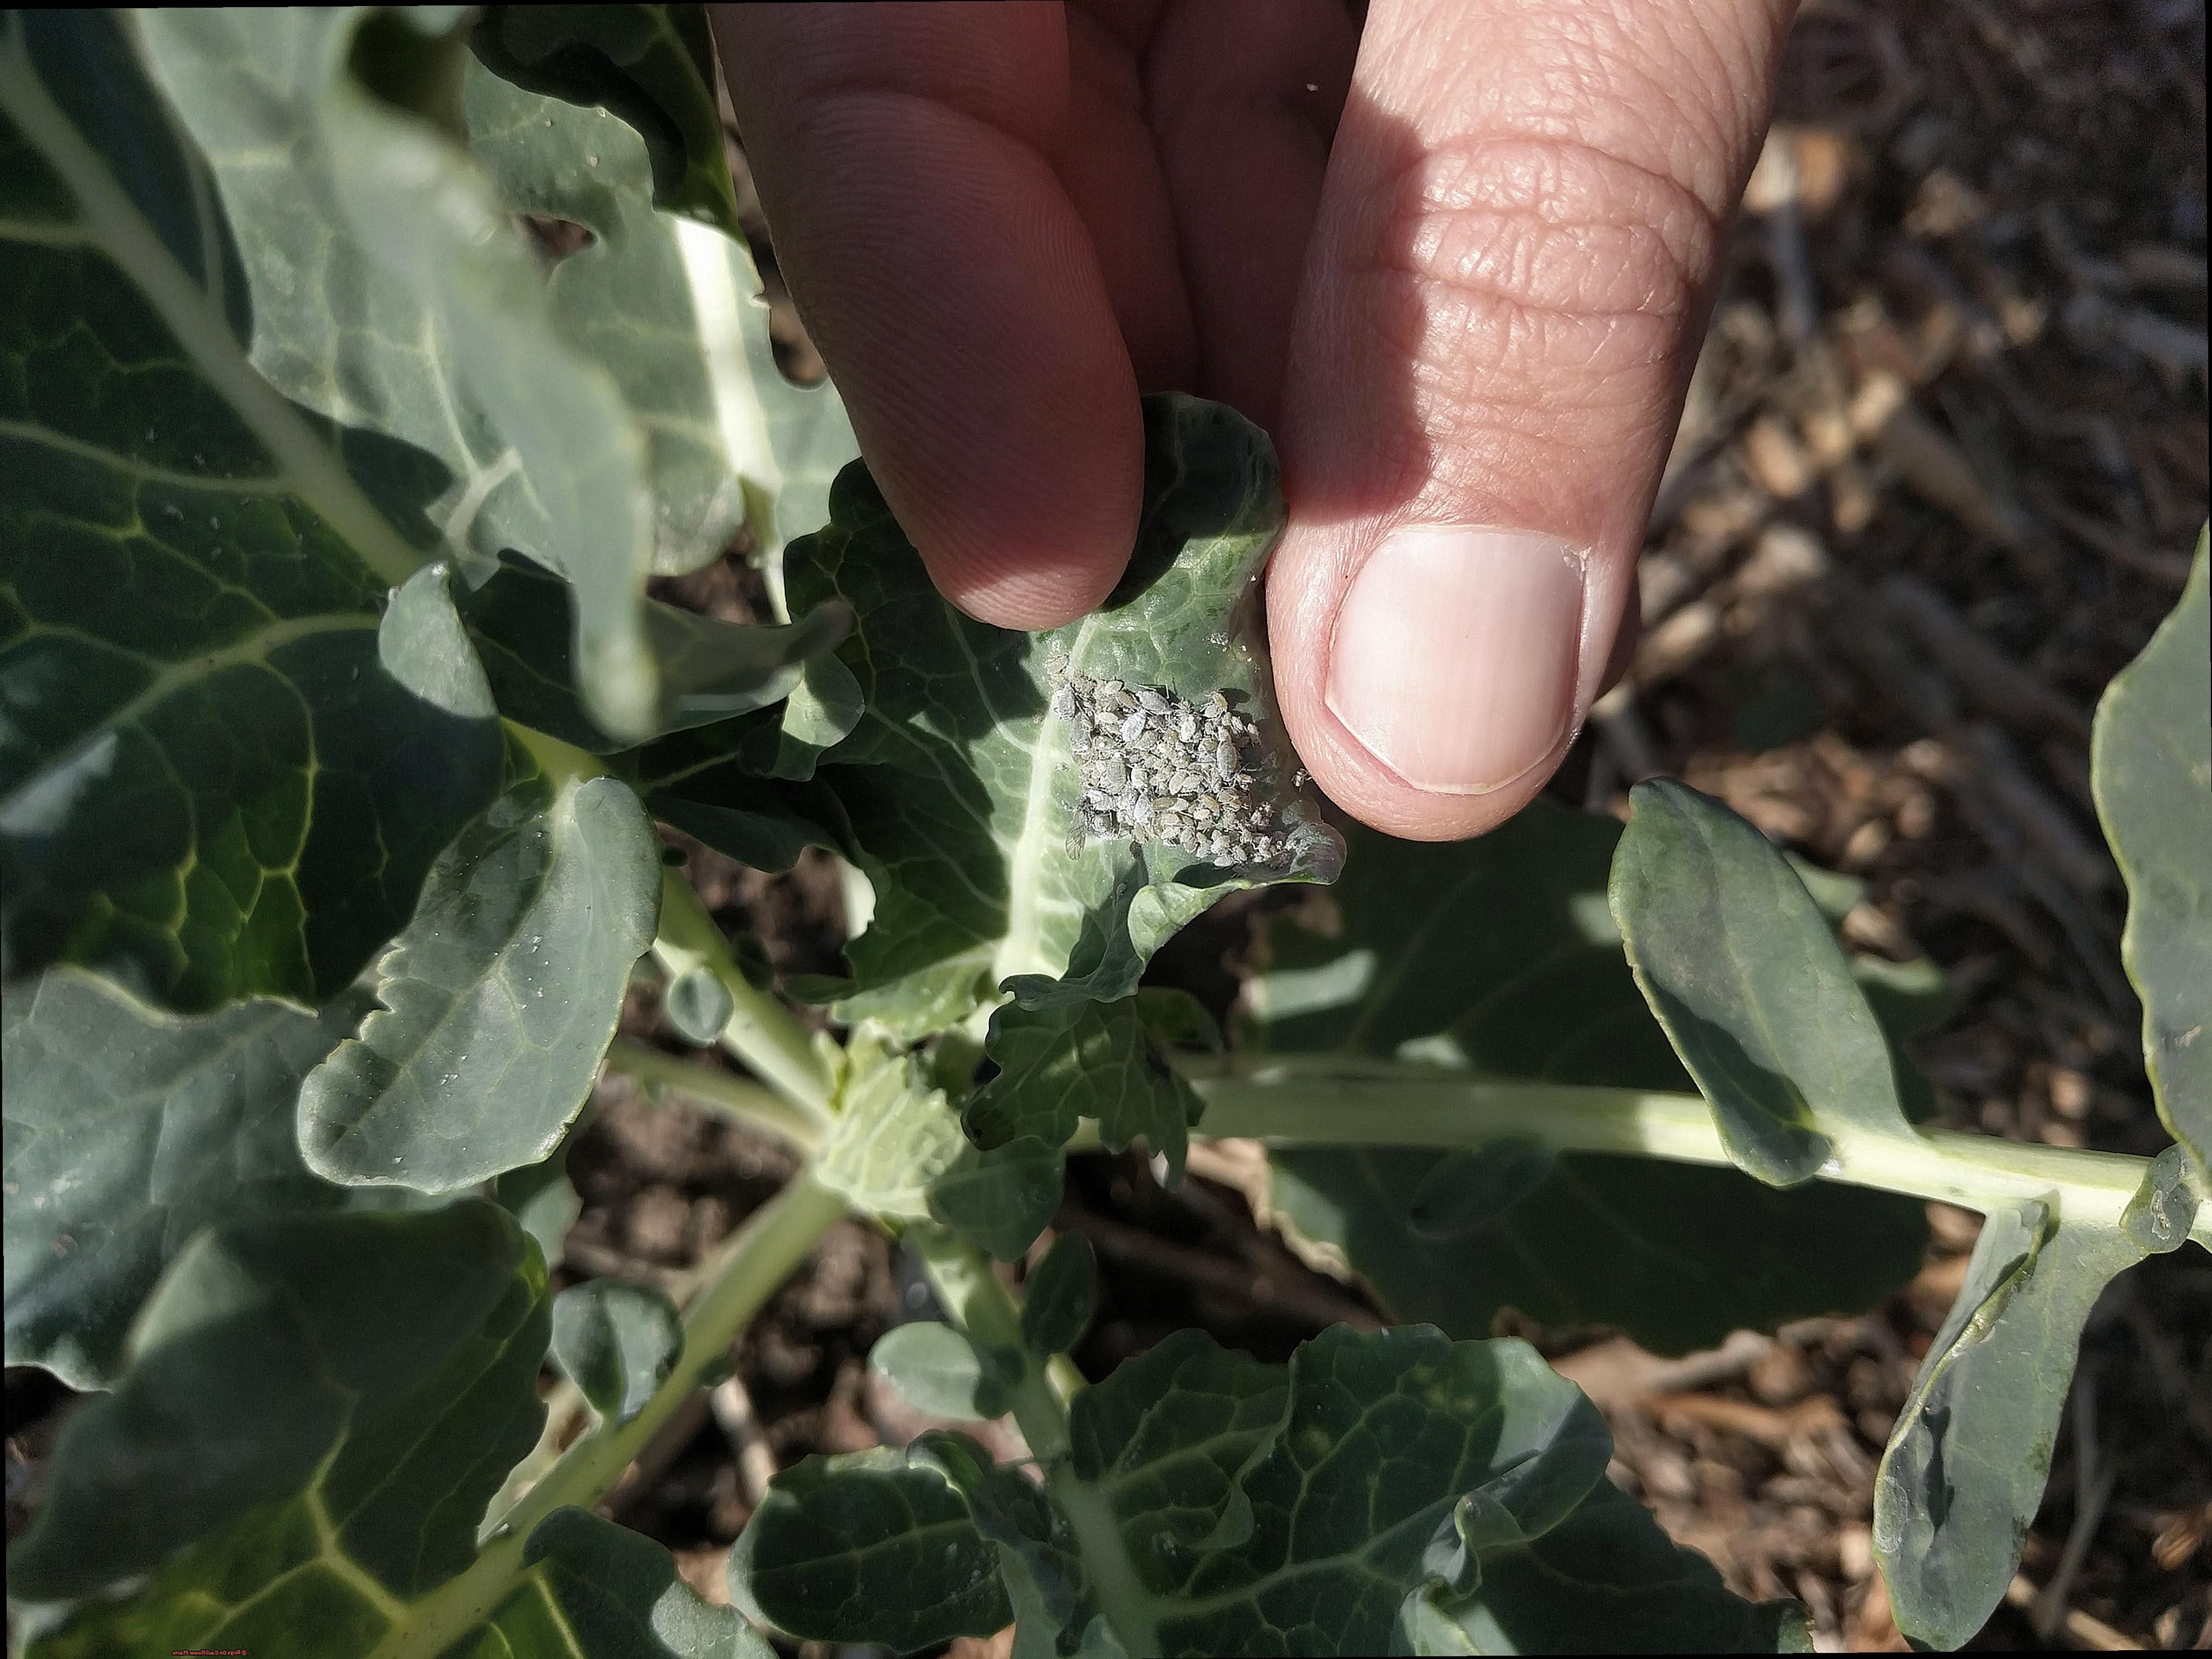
x=1676, y=1257
x=652, y=66
x=596, y=1590
x=869, y=1547
x=615, y=1341
x=2151, y=760
x=323, y=1403
x=959, y=789
x=939, y=1372
x=1500, y=956
x=1605, y=1580
x=500, y=998
x=1060, y=1296
x=1464, y=1193
x=1210, y=1504
x=1068, y=1060
x=1001, y=1199
x=710, y=670
x=214, y=786
x=1745, y=974
x=126, y=1134
x=1964, y=1474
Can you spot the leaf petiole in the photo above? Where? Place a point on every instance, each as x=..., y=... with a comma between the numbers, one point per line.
x=1333, y=1101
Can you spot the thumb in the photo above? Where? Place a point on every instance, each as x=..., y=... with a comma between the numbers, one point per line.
x=1507, y=284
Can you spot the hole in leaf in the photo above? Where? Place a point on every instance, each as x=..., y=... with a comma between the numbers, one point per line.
x=554, y=238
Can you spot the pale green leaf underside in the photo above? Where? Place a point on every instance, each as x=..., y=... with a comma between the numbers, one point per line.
x=210, y=788
x=2151, y=762
x=498, y=999
x=895, y=1150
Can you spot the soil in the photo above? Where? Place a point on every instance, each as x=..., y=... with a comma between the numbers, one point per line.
x=1945, y=456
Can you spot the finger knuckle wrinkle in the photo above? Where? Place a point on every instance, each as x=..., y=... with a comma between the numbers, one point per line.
x=1541, y=252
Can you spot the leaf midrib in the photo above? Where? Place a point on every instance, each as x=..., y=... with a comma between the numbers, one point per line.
x=115, y=226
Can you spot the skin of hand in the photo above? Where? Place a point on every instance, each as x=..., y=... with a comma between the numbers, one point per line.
x=1456, y=257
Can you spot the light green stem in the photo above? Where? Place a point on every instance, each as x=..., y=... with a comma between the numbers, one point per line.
x=760, y=1030
x=1335, y=1101
x=974, y=1300
x=747, y=1270
x=734, y=1097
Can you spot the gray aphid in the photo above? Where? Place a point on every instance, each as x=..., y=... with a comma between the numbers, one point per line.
x=1063, y=702
x=1113, y=774
x=1151, y=701
x=1132, y=727
x=1140, y=811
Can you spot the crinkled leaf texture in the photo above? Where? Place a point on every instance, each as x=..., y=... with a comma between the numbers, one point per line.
x=2151, y=763
x=314, y=1415
x=216, y=781
x=129, y=1131
x=955, y=791
x=1211, y=1503
x=1499, y=957
x=895, y=1149
x=1065, y=1061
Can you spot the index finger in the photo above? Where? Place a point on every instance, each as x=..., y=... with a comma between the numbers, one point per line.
x=901, y=154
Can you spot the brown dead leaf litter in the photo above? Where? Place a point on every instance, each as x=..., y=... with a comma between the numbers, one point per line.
x=1944, y=457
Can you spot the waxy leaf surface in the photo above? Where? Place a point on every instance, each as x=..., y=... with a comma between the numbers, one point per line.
x=498, y=1001
x=1965, y=1471
x=1500, y=959
x=2151, y=763
x=214, y=782
x=129, y=1131
x=1211, y=1503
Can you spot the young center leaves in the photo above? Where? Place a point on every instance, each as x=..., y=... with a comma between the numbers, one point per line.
x=956, y=792
x=1765, y=1012
x=1393, y=1492
x=1499, y=959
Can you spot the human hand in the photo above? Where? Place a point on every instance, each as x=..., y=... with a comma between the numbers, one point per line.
x=1469, y=321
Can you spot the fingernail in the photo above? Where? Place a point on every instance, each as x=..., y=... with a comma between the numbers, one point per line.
x=1455, y=654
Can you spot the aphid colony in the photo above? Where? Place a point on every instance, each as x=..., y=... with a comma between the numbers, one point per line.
x=1156, y=768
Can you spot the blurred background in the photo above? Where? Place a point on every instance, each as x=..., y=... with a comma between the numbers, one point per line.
x=1942, y=466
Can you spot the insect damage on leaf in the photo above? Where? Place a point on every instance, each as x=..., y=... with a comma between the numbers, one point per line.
x=1156, y=768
